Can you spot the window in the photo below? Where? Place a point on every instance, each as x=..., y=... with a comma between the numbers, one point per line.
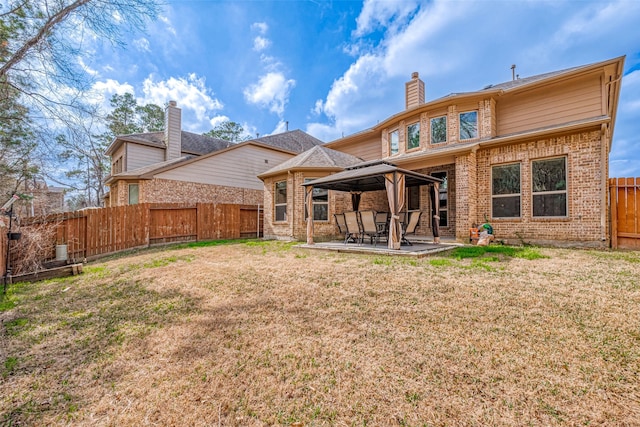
x=439, y=130
x=444, y=198
x=133, y=194
x=413, y=198
x=280, y=200
x=320, y=204
x=413, y=136
x=393, y=142
x=117, y=166
x=549, y=187
x=505, y=191
x=469, y=125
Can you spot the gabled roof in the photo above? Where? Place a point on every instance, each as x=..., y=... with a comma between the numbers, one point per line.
x=369, y=176
x=149, y=169
x=318, y=157
x=493, y=90
x=294, y=140
x=192, y=143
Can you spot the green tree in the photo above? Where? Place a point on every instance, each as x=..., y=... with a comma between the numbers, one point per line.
x=150, y=117
x=229, y=131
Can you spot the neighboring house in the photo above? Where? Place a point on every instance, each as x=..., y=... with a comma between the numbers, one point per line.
x=175, y=166
x=530, y=156
x=42, y=200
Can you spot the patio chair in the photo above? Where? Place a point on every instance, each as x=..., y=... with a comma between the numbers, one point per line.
x=410, y=228
x=369, y=226
x=354, y=230
x=382, y=221
x=340, y=222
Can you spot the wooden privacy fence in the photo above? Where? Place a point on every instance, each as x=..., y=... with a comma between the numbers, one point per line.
x=93, y=232
x=625, y=212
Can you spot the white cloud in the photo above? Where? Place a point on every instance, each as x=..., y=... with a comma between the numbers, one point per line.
x=191, y=95
x=102, y=91
x=272, y=91
x=260, y=43
x=168, y=25
x=260, y=27
x=142, y=44
x=280, y=127
x=383, y=14
x=86, y=68
x=215, y=121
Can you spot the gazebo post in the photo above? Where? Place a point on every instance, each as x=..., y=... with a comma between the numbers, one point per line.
x=435, y=212
x=309, y=205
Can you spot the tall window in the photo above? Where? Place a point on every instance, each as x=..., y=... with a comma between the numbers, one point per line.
x=133, y=194
x=280, y=200
x=320, y=204
x=117, y=166
x=439, y=130
x=413, y=136
x=394, y=141
x=549, y=187
x=469, y=125
x=413, y=198
x=444, y=198
x=505, y=191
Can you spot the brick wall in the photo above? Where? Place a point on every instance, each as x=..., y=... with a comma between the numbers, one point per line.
x=170, y=191
x=583, y=225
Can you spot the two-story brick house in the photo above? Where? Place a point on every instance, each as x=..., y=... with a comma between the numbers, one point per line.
x=176, y=166
x=529, y=155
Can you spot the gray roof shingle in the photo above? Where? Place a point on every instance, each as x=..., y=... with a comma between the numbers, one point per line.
x=317, y=157
x=294, y=140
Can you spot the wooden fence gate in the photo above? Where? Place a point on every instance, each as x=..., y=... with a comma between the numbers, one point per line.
x=625, y=213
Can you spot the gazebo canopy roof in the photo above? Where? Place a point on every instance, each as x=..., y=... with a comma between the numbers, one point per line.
x=369, y=176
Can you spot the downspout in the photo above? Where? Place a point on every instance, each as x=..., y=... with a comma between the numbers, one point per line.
x=604, y=144
x=292, y=226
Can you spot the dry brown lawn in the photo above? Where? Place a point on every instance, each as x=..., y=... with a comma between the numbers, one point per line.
x=263, y=333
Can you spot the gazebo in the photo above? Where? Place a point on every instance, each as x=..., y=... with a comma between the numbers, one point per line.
x=374, y=176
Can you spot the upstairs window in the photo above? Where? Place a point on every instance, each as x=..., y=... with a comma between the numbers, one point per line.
x=439, y=130
x=413, y=136
x=117, y=166
x=394, y=142
x=505, y=191
x=280, y=201
x=469, y=125
x=549, y=187
x=320, y=203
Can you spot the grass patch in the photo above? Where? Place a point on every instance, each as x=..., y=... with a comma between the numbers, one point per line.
x=507, y=251
x=259, y=334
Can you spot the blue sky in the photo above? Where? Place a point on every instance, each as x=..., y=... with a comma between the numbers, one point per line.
x=337, y=67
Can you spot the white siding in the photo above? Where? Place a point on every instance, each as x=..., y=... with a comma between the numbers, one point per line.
x=234, y=168
x=142, y=155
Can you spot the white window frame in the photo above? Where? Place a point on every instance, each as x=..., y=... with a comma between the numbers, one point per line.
x=276, y=205
x=538, y=193
x=494, y=196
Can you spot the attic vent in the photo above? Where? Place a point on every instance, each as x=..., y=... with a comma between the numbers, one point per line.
x=266, y=160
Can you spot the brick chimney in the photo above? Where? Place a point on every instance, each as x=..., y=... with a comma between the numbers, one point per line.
x=173, y=131
x=414, y=91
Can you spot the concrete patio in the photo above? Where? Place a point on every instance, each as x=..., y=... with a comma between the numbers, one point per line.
x=419, y=248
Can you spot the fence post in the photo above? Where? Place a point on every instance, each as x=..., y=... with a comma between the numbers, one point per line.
x=613, y=200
